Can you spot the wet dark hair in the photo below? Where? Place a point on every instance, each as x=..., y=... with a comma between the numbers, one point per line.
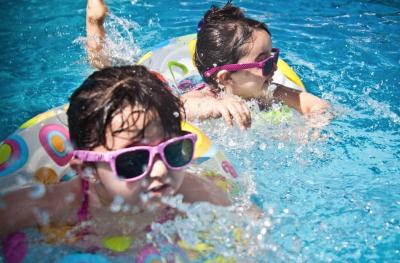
x=107, y=92
x=223, y=33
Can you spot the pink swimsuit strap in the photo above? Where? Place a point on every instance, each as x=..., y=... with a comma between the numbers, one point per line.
x=83, y=212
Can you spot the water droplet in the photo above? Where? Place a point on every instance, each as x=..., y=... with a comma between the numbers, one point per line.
x=21, y=180
x=263, y=146
x=69, y=198
x=274, y=248
x=88, y=173
x=126, y=208
x=144, y=197
x=37, y=191
x=116, y=204
x=267, y=223
x=299, y=150
x=42, y=217
x=263, y=231
x=144, y=167
x=144, y=183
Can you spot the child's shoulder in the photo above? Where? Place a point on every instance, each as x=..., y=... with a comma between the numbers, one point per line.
x=200, y=189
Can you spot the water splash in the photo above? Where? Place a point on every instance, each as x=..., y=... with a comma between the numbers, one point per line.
x=119, y=44
x=117, y=204
x=213, y=232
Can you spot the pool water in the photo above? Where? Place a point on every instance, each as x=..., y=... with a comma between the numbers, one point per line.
x=330, y=194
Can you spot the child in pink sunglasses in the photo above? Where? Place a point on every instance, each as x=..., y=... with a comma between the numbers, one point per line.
x=234, y=54
x=129, y=151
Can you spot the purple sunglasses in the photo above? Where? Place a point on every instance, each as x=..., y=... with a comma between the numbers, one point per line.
x=266, y=65
x=134, y=163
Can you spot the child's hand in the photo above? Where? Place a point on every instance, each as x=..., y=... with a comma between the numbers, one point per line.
x=203, y=106
x=319, y=117
x=232, y=108
x=96, y=11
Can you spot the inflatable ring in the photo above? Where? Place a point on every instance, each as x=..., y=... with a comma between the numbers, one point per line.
x=174, y=60
x=40, y=151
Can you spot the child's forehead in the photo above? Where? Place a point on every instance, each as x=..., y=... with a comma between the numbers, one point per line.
x=133, y=125
x=131, y=117
x=261, y=44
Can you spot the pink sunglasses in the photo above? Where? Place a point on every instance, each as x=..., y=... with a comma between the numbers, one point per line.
x=266, y=65
x=134, y=163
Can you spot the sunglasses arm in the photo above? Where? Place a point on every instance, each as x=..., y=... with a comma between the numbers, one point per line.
x=89, y=156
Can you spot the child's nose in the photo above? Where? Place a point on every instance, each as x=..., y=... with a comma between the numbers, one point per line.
x=159, y=168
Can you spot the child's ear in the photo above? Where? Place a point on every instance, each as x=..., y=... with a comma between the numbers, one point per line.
x=76, y=165
x=223, y=77
x=84, y=170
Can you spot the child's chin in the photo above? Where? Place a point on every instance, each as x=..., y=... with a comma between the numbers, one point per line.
x=154, y=205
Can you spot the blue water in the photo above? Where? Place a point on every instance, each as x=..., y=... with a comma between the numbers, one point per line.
x=331, y=197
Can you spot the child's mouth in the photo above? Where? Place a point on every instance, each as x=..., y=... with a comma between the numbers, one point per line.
x=159, y=190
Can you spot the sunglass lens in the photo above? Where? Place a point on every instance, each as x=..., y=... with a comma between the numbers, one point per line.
x=179, y=153
x=268, y=67
x=132, y=164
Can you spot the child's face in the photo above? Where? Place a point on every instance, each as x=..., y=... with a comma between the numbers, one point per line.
x=160, y=180
x=250, y=83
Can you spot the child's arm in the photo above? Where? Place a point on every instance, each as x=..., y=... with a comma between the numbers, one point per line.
x=197, y=189
x=302, y=101
x=202, y=105
x=27, y=207
x=96, y=11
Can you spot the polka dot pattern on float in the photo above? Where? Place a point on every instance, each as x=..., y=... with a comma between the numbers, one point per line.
x=13, y=154
x=55, y=140
x=46, y=176
x=227, y=166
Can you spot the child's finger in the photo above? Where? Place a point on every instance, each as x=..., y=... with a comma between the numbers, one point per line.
x=238, y=115
x=246, y=114
x=226, y=115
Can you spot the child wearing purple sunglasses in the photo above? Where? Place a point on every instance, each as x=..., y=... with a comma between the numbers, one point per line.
x=234, y=54
x=129, y=151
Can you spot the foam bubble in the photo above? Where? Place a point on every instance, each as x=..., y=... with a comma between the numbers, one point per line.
x=117, y=203
x=37, y=191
